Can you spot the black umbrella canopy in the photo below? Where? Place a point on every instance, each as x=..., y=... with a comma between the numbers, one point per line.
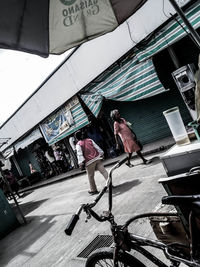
x=53, y=26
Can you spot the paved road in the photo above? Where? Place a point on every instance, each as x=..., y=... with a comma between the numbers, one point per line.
x=42, y=241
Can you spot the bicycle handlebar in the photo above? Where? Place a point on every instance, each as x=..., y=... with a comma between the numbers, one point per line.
x=70, y=227
x=75, y=217
x=72, y=223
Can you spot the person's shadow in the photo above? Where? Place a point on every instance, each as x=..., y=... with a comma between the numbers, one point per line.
x=124, y=187
x=29, y=206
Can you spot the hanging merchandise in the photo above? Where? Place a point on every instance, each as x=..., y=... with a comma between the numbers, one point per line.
x=67, y=109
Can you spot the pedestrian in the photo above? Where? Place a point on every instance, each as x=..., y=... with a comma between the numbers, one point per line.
x=122, y=129
x=72, y=143
x=90, y=155
x=52, y=161
x=95, y=134
x=73, y=157
x=32, y=169
x=12, y=182
x=58, y=154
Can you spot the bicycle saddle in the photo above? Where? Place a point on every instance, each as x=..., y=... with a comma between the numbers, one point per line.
x=191, y=201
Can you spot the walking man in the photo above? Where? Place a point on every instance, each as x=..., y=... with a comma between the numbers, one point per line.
x=90, y=155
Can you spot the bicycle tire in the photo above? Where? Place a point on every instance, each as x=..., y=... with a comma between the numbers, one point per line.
x=104, y=257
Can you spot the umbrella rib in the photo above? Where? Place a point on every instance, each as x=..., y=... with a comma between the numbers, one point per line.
x=21, y=23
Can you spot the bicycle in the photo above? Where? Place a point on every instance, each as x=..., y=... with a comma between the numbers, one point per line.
x=124, y=241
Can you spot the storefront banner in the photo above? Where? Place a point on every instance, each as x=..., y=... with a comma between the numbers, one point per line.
x=80, y=120
x=56, y=124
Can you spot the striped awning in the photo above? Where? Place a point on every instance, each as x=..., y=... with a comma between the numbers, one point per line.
x=29, y=139
x=128, y=82
x=170, y=34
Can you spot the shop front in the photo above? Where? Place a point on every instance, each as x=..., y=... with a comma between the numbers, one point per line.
x=141, y=85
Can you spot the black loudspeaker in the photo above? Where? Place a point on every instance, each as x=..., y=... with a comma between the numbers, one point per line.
x=184, y=79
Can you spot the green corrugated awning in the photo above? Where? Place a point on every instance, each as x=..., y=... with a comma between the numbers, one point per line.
x=170, y=34
x=129, y=82
x=93, y=101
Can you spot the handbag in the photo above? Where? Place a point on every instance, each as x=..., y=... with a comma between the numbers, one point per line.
x=139, y=144
x=135, y=137
x=129, y=126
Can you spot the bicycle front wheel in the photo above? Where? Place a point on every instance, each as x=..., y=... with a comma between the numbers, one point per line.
x=104, y=258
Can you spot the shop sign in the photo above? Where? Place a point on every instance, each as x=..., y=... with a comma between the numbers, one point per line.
x=59, y=122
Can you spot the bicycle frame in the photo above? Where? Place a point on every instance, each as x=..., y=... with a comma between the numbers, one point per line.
x=124, y=240
x=138, y=242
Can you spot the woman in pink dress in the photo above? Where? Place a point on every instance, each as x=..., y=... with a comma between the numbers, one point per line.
x=128, y=138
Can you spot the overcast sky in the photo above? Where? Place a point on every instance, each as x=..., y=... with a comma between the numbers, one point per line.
x=20, y=75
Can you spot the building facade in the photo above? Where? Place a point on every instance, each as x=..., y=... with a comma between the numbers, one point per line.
x=137, y=80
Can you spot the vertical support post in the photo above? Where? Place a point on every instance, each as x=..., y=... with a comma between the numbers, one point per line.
x=174, y=57
x=17, y=166
x=71, y=152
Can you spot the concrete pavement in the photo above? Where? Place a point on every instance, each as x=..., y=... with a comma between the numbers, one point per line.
x=42, y=241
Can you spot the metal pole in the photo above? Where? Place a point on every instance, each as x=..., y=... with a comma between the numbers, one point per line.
x=193, y=32
x=174, y=57
x=17, y=166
